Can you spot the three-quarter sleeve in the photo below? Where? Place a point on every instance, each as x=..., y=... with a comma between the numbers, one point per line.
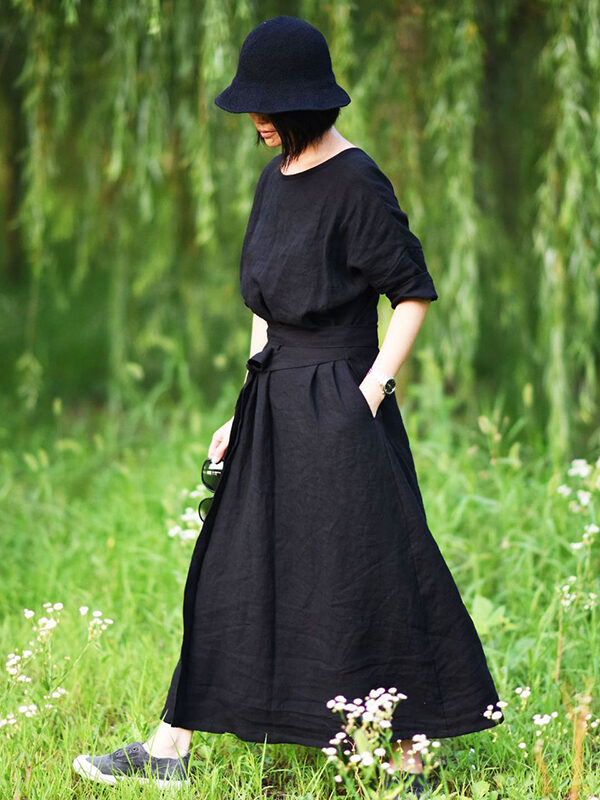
x=378, y=242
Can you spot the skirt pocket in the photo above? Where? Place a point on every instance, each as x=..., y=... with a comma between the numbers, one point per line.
x=355, y=380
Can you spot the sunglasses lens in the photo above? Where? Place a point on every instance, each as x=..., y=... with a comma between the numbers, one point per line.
x=211, y=474
x=204, y=507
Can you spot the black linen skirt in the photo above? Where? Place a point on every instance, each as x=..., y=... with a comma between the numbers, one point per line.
x=315, y=573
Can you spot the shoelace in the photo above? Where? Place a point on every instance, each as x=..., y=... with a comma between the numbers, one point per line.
x=130, y=748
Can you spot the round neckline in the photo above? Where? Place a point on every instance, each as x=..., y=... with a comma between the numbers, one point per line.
x=316, y=167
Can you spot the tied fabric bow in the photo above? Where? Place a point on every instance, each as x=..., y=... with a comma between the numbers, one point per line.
x=260, y=361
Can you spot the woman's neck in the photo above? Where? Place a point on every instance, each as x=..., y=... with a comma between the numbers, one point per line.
x=331, y=143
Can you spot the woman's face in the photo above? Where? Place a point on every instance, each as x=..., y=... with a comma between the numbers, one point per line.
x=265, y=127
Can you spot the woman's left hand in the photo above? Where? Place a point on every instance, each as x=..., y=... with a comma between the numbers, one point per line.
x=371, y=389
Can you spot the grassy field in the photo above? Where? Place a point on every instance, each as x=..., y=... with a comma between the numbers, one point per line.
x=86, y=506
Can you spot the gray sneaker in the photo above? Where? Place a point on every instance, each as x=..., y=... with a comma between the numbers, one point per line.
x=133, y=762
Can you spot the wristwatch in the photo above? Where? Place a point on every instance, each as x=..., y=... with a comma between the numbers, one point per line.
x=387, y=382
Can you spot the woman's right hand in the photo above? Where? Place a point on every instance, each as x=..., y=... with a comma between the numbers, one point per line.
x=219, y=442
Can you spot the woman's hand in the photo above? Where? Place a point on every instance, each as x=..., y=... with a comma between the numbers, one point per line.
x=371, y=389
x=220, y=442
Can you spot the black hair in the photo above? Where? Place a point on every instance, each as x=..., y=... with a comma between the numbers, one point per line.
x=297, y=129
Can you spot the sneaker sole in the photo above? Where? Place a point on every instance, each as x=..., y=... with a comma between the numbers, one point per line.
x=86, y=769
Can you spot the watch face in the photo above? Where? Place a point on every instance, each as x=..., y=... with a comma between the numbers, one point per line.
x=390, y=385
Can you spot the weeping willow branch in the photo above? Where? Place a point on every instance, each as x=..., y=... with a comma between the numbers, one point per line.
x=567, y=228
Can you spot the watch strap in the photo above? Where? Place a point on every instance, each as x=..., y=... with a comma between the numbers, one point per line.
x=380, y=377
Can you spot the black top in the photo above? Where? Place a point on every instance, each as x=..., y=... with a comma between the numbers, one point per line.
x=322, y=244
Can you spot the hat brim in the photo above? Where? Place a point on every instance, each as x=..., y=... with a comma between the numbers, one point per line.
x=258, y=100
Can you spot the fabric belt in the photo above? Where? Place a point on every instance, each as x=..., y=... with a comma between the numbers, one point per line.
x=290, y=346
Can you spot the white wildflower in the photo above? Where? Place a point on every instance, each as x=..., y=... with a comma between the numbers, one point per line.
x=584, y=497
x=580, y=467
x=523, y=691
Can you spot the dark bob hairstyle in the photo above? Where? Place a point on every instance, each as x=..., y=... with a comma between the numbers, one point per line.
x=298, y=129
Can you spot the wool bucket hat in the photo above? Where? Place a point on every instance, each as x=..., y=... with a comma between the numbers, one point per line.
x=284, y=65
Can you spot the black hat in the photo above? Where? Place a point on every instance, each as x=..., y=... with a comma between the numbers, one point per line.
x=284, y=65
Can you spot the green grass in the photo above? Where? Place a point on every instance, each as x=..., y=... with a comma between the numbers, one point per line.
x=85, y=506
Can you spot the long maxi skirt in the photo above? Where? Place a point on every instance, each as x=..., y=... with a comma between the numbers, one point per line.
x=315, y=573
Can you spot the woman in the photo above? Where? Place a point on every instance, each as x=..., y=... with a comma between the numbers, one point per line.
x=315, y=573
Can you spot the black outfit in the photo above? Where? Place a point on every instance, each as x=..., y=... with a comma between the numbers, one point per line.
x=315, y=573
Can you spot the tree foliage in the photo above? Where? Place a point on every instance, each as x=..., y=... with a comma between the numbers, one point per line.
x=124, y=193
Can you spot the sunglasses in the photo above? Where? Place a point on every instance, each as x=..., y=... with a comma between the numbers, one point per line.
x=211, y=475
